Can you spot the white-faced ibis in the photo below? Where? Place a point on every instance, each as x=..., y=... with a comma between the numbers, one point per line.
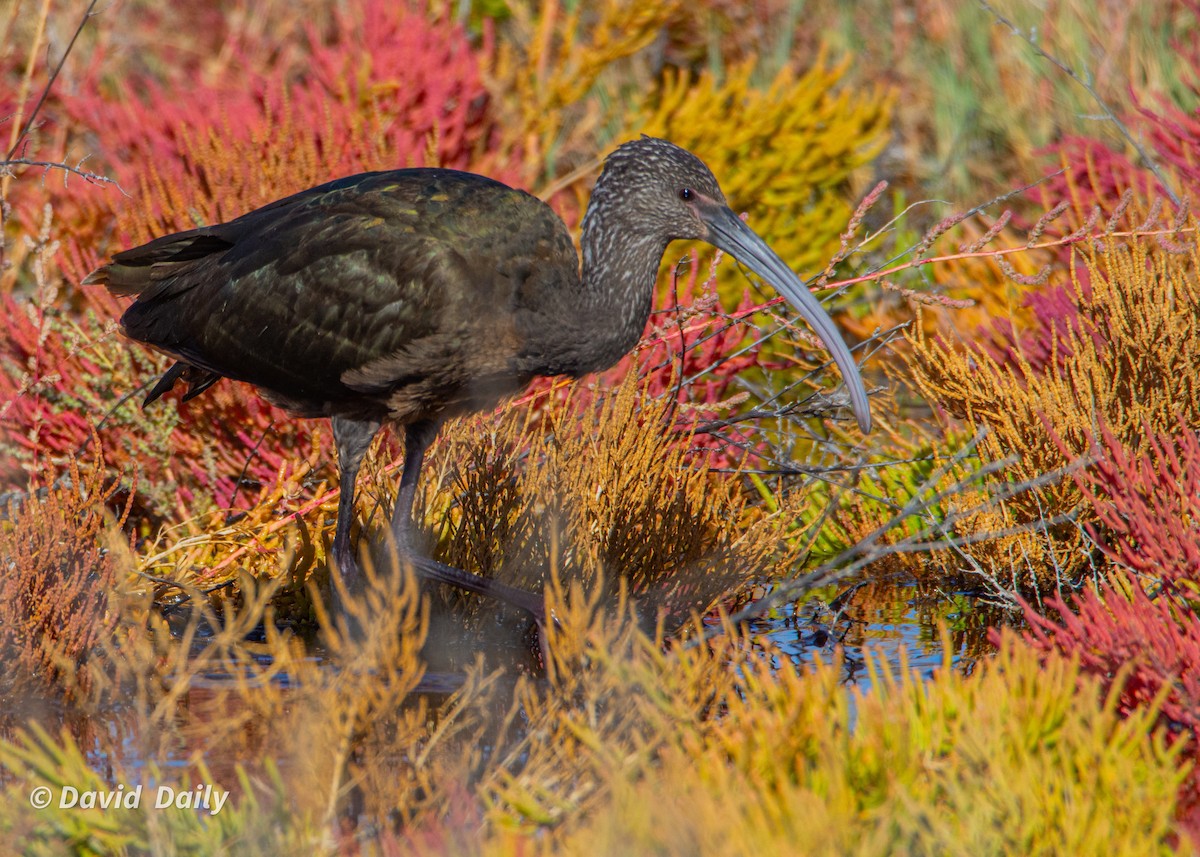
x=410, y=296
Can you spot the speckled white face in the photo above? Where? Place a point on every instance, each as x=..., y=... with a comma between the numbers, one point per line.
x=659, y=185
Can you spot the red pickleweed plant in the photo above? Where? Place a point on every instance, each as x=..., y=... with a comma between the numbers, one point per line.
x=1146, y=509
x=1151, y=640
x=1048, y=343
x=1147, y=505
x=1094, y=174
x=1119, y=626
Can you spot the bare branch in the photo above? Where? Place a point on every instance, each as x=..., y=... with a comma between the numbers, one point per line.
x=86, y=175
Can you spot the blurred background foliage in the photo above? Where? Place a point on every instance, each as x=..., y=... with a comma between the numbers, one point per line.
x=1027, y=287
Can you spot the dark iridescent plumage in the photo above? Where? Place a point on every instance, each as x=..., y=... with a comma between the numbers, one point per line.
x=410, y=296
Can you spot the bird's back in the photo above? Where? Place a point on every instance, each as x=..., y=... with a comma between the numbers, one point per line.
x=391, y=294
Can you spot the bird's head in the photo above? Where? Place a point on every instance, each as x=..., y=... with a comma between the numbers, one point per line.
x=662, y=188
x=665, y=192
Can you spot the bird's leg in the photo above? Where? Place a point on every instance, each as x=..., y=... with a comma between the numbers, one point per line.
x=417, y=437
x=416, y=440
x=352, y=438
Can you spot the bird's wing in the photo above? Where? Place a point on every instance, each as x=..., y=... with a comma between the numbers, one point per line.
x=133, y=271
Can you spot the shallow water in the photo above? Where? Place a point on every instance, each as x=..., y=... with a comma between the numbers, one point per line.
x=898, y=623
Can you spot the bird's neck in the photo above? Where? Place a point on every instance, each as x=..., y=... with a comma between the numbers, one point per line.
x=618, y=274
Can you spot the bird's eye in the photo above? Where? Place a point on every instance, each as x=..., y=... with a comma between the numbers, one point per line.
x=685, y=194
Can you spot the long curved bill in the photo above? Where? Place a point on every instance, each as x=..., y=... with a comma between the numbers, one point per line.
x=727, y=232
